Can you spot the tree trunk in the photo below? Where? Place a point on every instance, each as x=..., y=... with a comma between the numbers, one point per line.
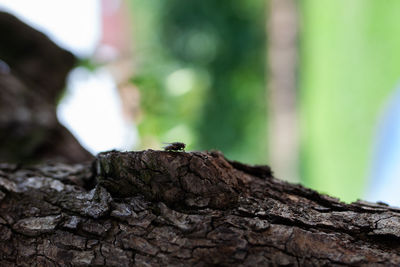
x=32, y=77
x=158, y=208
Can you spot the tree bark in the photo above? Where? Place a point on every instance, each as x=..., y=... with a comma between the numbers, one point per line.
x=158, y=208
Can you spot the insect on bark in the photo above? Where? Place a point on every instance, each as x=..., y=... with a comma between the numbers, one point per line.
x=175, y=146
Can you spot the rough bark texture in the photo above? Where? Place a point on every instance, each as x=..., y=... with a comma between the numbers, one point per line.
x=32, y=76
x=157, y=208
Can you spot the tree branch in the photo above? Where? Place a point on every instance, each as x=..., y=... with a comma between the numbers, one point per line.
x=175, y=208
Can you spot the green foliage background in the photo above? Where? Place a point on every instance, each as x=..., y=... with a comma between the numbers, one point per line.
x=350, y=61
x=201, y=73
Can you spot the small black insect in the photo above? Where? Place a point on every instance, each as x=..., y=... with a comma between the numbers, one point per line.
x=176, y=146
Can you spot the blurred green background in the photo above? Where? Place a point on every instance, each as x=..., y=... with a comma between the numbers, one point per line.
x=350, y=61
x=202, y=74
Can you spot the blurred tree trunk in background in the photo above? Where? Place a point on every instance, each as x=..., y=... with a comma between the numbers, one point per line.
x=282, y=98
x=32, y=77
x=350, y=62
